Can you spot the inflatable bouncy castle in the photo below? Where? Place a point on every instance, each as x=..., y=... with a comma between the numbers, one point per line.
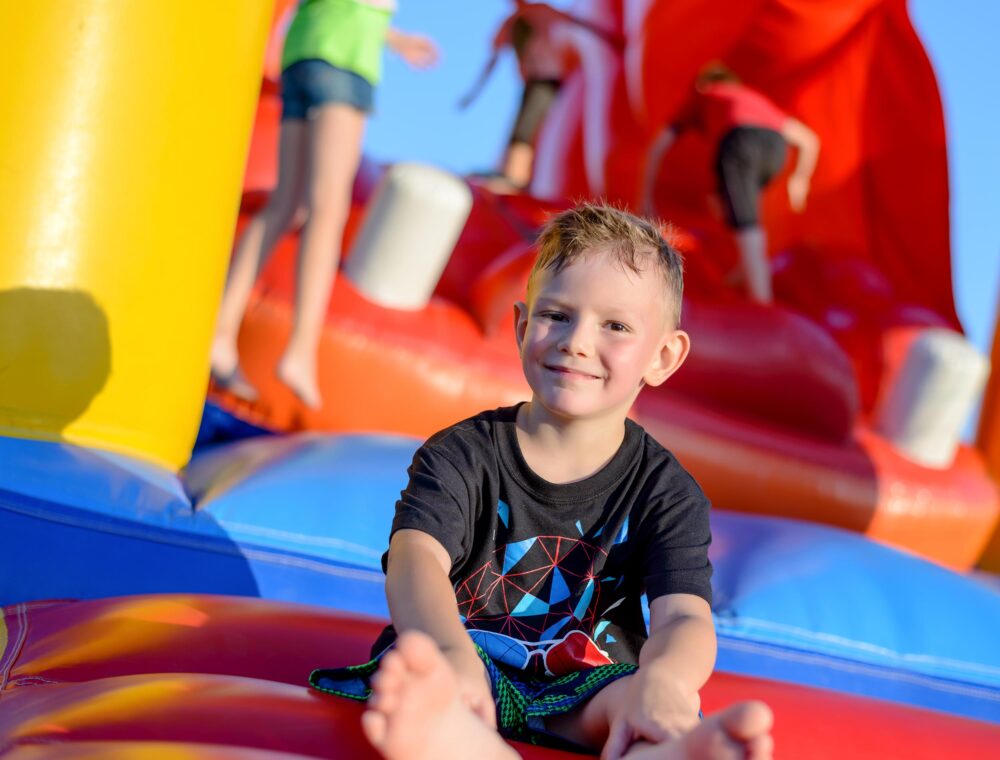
x=168, y=588
x=840, y=404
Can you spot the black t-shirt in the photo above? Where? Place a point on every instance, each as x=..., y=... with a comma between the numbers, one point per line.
x=549, y=577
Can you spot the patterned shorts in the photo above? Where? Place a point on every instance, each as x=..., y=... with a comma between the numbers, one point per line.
x=523, y=702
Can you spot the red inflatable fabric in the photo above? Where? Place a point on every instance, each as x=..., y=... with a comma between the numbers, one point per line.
x=206, y=675
x=876, y=227
x=853, y=70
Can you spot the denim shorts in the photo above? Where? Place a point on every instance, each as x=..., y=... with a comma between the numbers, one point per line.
x=310, y=83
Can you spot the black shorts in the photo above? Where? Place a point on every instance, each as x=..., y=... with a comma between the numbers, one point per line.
x=748, y=159
x=535, y=102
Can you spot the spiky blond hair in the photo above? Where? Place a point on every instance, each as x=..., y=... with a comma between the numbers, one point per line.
x=630, y=239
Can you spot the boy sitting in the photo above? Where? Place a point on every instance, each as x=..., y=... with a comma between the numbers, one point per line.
x=527, y=536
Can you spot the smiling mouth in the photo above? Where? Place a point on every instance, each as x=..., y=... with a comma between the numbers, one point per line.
x=569, y=372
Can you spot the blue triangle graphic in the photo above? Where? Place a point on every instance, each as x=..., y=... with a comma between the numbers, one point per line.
x=581, y=606
x=599, y=531
x=600, y=628
x=530, y=605
x=622, y=536
x=513, y=552
x=559, y=590
x=552, y=630
x=503, y=512
x=579, y=527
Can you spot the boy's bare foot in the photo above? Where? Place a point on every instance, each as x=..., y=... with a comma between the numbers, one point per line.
x=740, y=731
x=301, y=379
x=226, y=372
x=415, y=712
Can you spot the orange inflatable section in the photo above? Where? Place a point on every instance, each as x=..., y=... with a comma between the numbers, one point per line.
x=211, y=675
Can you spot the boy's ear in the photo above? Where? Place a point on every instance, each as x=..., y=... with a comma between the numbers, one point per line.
x=673, y=351
x=520, y=322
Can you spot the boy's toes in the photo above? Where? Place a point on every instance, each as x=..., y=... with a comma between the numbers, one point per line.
x=748, y=720
x=375, y=726
x=761, y=748
x=419, y=653
x=387, y=684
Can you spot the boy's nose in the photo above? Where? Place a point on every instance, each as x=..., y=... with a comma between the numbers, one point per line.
x=577, y=340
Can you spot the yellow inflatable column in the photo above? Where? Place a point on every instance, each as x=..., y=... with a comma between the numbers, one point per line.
x=124, y=127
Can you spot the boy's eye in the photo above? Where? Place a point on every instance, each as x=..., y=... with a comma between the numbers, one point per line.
x=617, y=327
x=555, y=316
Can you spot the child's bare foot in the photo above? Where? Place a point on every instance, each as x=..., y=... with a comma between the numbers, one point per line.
x=301, y=378
x=226, y=372
x=415, y=712
x=740, y=731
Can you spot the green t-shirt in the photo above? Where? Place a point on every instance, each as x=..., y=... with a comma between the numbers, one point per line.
x=348, y=34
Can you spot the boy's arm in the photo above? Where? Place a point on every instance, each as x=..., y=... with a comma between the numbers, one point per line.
x=681, y=644
x=421, y=597
x=675, y=662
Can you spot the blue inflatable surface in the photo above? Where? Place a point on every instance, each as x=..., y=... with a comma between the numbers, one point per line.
x=306, y=519
x=108, y=525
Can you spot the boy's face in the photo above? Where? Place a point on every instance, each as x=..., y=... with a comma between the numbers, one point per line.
x=594, y=334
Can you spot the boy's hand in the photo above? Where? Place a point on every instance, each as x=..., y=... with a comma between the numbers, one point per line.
x=473, y=683
x=654, y=710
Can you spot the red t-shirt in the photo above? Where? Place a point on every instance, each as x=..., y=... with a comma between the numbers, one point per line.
x=721, y=106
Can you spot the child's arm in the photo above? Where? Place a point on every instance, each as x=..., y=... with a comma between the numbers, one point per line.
x=421, y=597
x=415, y=49
x=484, y=76
x=806, y=142
x=674, y=663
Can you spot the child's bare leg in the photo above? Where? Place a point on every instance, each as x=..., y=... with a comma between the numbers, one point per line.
x=515, y=174
x=336, y=132
x=415, y=712
x=741, y=731
x=259, y=237
x=588, y=726
x=752, y=243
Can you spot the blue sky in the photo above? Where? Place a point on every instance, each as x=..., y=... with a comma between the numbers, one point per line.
x=417, y=119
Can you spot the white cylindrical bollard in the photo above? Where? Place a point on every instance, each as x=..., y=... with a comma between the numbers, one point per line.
x=937, y=387
x=407, y=236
